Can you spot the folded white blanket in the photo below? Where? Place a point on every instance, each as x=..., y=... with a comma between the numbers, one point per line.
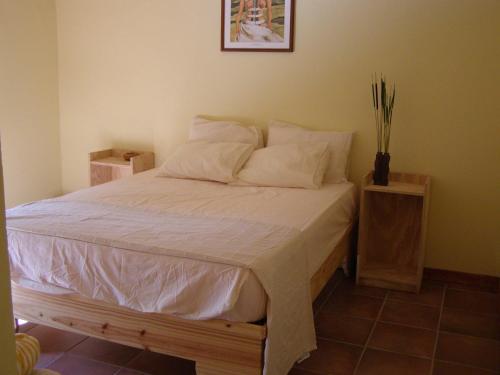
x=274, y=253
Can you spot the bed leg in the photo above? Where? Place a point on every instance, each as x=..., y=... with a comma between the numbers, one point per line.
x=224, y=368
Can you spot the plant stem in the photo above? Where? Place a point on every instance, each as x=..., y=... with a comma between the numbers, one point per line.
x=383, y=106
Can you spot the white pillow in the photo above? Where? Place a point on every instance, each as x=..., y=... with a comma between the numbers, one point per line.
x=300, y=165
x=339, y=145
x=225, y=131
x=207, y=161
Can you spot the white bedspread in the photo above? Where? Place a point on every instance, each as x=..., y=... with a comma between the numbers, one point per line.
x=173, y=229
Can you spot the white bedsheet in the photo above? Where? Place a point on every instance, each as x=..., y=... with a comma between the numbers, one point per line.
x=99, y=261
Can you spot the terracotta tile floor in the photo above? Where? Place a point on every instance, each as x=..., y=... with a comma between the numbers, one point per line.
x=445, y=330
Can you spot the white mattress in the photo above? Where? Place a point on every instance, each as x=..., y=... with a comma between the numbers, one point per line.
x=321, y=215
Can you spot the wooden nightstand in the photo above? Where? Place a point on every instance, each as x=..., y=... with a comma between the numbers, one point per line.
x=392, y=231
x=108, y=165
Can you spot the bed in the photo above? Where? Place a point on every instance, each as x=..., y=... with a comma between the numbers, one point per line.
x=72, y=261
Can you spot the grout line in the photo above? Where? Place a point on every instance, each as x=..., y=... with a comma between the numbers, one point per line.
x=133, y=358
x=340, y=341
x=315, y=372
x=471, y=290
x=130, y=369
x=470, y=366
x=29, y=329
x=68, y=352
x=62, y=353
x=327, y=298
x=371, y=333
x=433, y=360
x=413, y=303
x=408, y=325
x=46, y=366
x=468, y=312
x=345, y=315
x=401, y=353
x=85, y=357
x=469, y=335
x=74, y=346
x=92, y=359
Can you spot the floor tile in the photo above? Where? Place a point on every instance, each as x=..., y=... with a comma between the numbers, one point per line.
x=467, y=323
x=468, y=350
x=405, y=340
x=445, y=368
x=127, y=371
x=410, y=314
x=476, y=302
x=431, y=293
x=73, y=365
x=26, y=327
x=343, y=328
x=485, y=287
x=469, y=341
x=54, y=343
x=376, y=362
x=330, y=286
x=158, y=364
x=332, y=358
x=358, y=306
x=105, y=351
x=298, y=371
x=462, y=281
x=349, y=286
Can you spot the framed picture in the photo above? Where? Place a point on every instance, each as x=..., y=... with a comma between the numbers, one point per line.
x=258, y=25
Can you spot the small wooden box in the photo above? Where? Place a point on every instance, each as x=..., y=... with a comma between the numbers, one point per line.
x=108, y=165
x=392, y=231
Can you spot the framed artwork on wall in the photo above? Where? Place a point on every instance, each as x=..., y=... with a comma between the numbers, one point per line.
x=258, y=25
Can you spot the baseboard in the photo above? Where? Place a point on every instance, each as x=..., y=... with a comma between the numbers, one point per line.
x=483, y=283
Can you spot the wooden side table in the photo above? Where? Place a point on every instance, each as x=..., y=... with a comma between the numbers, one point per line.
x=392, y=231
x=108, y=165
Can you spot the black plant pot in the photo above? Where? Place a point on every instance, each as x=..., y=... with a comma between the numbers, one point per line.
x=381, y=173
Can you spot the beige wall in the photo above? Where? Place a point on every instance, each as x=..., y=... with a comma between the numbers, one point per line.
x=7, y=347
x=29, y=114
x=29, y=128
x=133, y=73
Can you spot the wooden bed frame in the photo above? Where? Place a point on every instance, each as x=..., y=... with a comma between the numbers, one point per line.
x=218, y=347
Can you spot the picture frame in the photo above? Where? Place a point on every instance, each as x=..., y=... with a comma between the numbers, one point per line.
x=257, y=25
